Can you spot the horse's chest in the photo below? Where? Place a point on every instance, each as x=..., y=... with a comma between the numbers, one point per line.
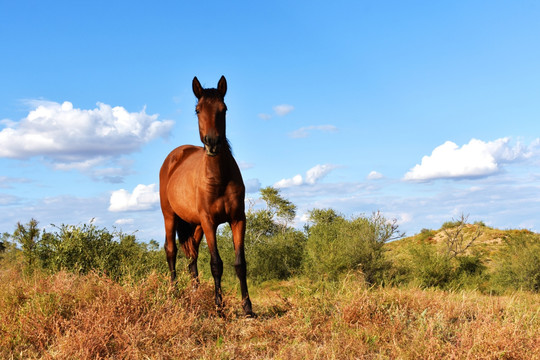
x=218, y=202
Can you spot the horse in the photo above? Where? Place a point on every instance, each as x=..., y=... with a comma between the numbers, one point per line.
x=201, y=188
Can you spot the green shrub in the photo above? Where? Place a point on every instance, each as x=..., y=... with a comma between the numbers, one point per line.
x=450, y=224
x=277, y=257
x=86, y=248
x=518, y=264
x=274, y=250
x=470, y=264
x=336, y=245
x=426, y=234
x=28, y=238
x=429, y=267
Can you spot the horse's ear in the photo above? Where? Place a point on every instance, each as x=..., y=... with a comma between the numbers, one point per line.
x=222, y=86
x=197, y=88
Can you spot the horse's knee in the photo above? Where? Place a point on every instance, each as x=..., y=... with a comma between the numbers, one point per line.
x=240, y=267
x=170, y=248
x=216, y=266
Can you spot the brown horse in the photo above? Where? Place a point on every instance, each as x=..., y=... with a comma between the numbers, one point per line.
x=201, y=188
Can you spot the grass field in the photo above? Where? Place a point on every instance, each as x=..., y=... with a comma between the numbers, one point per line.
x=67, y=316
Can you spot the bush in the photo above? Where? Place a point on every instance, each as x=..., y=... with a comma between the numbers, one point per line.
x=518, y=265
x=336, y=245
x=28, y=238
x=426, y=235
x=277, y=257
x=86, y=248
x=274, y=250
x=431, y=267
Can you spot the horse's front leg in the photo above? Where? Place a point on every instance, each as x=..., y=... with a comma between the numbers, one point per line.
x=238, y=230
x=216, y=264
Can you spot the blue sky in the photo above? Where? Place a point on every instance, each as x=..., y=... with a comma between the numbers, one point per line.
x=423, y=110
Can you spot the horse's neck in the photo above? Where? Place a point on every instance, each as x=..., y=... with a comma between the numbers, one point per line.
x=217, y=169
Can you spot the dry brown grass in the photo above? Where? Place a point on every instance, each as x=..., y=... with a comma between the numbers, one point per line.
x=64, y=316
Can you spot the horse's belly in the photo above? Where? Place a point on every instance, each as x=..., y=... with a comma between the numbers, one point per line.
x=183, y=200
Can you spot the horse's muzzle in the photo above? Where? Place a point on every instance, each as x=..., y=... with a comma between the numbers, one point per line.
x=212, y=145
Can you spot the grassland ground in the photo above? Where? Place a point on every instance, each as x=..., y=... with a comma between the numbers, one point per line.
x=67, y=316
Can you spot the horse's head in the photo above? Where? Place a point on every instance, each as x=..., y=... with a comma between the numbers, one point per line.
x=211, y=111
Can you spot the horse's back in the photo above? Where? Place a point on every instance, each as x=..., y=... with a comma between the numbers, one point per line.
x=176, y=158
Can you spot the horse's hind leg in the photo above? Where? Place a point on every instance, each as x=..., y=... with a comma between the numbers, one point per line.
x=195, y=241
x=170, y=243
x=216, y=264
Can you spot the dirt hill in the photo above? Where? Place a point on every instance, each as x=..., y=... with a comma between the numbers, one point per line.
x=486, y=241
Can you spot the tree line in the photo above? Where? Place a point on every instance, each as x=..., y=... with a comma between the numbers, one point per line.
x=329, y=247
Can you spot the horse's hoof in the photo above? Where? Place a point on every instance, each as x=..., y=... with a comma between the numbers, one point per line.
x=251, y=315
x=220, y=313
x=174, y=291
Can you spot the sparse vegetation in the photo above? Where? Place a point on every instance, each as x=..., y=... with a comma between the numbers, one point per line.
x=455, y=240
x=338, y=289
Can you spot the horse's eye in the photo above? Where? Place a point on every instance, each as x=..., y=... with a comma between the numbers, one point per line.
x=197, y=111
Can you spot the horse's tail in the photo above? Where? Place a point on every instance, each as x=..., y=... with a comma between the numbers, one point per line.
x=185, y=232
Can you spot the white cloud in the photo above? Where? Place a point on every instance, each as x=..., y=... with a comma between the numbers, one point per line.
x=294, y=181
x=102, y=168
x=74, y=138
x=265, y=116
x=124, y=221
x=304, y=131
x=404, y=218
x=312, y=176
x=144, y=197
x=279, y=110
x=283, y=109
x=475, y=159
x=6, y=199
x=318, y=172
x=6, y=182
x=374, y=175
